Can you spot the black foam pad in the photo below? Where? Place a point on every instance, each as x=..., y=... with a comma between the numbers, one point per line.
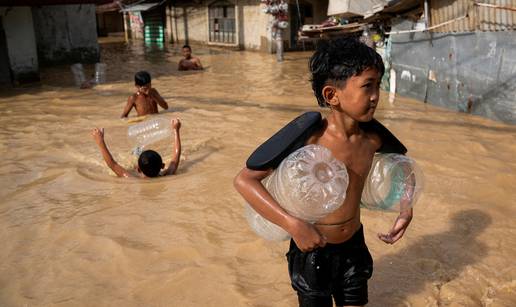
x=287, y=140
x=295, y=134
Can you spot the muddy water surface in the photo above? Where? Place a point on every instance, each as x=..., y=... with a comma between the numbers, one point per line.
x=74, y=235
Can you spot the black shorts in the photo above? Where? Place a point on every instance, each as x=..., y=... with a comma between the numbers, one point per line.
x=338, y=270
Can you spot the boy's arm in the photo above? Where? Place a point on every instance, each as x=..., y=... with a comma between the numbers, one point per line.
x=399, y=227
x=98, y=136
x=198, y=63
x=405, y=217
x=159, y=99
x=180, y=65
x=172, y=167
x=248, y=184
x=128, y=106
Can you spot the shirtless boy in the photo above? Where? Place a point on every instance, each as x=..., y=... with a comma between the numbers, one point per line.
x=189, y=62
x=329, y=259
x=150, y=163
x=146, y=99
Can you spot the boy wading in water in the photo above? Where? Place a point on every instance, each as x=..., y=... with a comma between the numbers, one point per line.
x=329, y=259
x=189, y=62
x=146, y=99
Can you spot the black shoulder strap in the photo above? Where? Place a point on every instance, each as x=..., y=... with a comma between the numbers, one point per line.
x=390, y=144
x=287, y=140
x=295, y=134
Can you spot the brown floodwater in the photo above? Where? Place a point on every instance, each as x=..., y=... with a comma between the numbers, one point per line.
x=75, y=235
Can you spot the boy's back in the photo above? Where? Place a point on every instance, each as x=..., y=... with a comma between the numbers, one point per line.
x=145, y=104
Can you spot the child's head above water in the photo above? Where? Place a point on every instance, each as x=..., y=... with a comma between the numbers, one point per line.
x=187, y=51
x=150, y=163
x=142, y=78
x=335, y=61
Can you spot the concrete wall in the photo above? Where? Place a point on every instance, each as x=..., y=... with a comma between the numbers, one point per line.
x=469, y=72
x=253, y=23
x=190, y=22
x=66, y=33
x=21, y=43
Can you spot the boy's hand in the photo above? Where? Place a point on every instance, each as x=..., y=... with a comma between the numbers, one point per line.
x=397, y=231
x=176, y=124
x=306, y=236
x=98, y=135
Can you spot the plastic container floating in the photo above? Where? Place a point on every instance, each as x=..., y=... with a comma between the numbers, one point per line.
x=394, y=183
x=100, y=73
x=78, y=74
x=309, y=184
x=264, y=228
x=148, y=132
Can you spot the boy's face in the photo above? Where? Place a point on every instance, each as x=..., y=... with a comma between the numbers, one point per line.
x=359, y=96
x=187, y=53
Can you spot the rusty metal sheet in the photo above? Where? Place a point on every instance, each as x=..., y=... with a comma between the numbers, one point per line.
x=480, y=17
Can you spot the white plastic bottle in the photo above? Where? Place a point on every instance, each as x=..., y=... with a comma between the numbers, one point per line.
x=148, y=132
x=100, y=73
x=78, y=74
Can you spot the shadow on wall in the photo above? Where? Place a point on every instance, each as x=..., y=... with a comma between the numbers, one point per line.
x=432, y=260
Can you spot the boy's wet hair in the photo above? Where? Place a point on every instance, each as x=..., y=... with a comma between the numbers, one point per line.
x=142, y=78
x=150, y=163
x=335, y=61
x=188, y=46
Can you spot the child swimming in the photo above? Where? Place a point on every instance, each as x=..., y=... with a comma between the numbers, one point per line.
x=150, y=162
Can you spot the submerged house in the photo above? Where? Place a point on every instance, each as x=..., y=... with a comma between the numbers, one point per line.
x=239, y=24
x=41, y=32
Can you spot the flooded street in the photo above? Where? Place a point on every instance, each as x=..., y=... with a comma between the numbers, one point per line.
x=75, y=235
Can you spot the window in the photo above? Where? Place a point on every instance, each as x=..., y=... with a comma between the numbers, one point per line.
x=222, y=22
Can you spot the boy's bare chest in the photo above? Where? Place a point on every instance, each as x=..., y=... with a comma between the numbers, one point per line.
x=357, y=155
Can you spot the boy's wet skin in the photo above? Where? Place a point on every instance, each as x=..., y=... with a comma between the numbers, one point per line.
x=351, y=145
x=146, y=98
x=146, y=102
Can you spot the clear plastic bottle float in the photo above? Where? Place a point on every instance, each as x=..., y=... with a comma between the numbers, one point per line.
x=100, y=73
x=263, y=227
x=394, y=183
x=148, y=132
x=309, y=184
x=78, y=74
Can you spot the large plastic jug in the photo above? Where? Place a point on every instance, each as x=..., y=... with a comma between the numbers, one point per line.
x=148, y=132
x=309, y=184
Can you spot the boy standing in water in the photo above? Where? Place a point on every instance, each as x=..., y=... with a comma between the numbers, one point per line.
x=189, y=62
x=329, y=259
x=146, y=98
x=149, y=161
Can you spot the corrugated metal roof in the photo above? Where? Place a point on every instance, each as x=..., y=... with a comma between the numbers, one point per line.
x=479, y=17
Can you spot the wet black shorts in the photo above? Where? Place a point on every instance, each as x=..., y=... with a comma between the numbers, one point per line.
x=338, y=270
